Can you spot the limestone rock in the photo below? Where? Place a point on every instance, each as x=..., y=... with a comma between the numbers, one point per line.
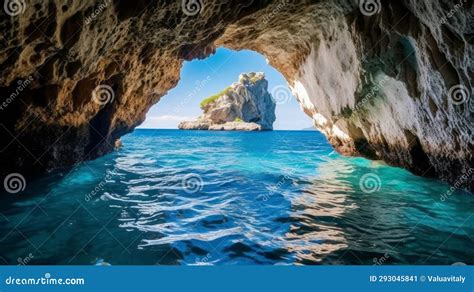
x=194, y=125
x=235, y=126
x=244, y=106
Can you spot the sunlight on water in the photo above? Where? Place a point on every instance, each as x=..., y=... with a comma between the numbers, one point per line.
x=199, y=198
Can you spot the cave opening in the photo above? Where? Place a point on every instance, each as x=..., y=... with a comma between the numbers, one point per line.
x=201, y=79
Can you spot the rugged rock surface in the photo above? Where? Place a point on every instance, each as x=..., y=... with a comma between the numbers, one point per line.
x=228, y=126
x=381, y=80
x=236, y=126
x=244, y=106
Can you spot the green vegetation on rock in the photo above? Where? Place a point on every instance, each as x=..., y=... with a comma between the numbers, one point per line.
x=238, y=120
x=255, y=79
x=214, y=97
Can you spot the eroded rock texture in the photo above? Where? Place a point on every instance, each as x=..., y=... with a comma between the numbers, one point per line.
x=376, y=85
x=246, y=105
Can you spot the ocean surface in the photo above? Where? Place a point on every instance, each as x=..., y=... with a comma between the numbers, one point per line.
x=170, y=197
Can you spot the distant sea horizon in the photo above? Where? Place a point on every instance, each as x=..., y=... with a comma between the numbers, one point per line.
x=304, y=129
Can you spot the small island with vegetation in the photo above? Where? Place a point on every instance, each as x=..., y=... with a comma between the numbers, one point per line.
x=246, y=105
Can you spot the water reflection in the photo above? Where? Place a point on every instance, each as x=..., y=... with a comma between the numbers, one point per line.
x=314, y=232
x=284, y=201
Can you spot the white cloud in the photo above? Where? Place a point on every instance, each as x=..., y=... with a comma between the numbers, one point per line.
x=164, y=122
x=169, y=118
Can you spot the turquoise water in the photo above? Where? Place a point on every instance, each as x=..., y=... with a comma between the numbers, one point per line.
x=198, y=198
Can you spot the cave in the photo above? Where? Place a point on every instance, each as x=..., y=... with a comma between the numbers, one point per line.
x=396, y=85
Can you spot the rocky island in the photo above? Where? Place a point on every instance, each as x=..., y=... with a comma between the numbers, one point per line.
x=246, y=105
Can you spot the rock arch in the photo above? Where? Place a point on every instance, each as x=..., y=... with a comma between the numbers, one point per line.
x=376, y=83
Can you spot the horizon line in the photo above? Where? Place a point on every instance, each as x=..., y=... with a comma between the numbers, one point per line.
x=304, y=129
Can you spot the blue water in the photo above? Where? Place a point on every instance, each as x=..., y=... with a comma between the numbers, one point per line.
x=222, y=198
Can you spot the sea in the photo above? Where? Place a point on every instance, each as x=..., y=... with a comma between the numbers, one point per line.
x=171, y=197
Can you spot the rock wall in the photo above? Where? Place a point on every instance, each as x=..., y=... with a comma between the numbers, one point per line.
x=387, y=80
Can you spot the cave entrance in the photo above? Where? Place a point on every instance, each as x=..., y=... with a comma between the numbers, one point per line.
x=201, y=79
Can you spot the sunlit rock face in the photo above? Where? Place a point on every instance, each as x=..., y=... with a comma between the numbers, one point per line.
x=246, y=105
x=376, y=80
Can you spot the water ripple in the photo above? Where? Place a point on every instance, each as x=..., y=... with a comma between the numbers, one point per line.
x=208, y=236
x=272, y=198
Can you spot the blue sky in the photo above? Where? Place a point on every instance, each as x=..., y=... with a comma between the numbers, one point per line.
x=202, y=78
